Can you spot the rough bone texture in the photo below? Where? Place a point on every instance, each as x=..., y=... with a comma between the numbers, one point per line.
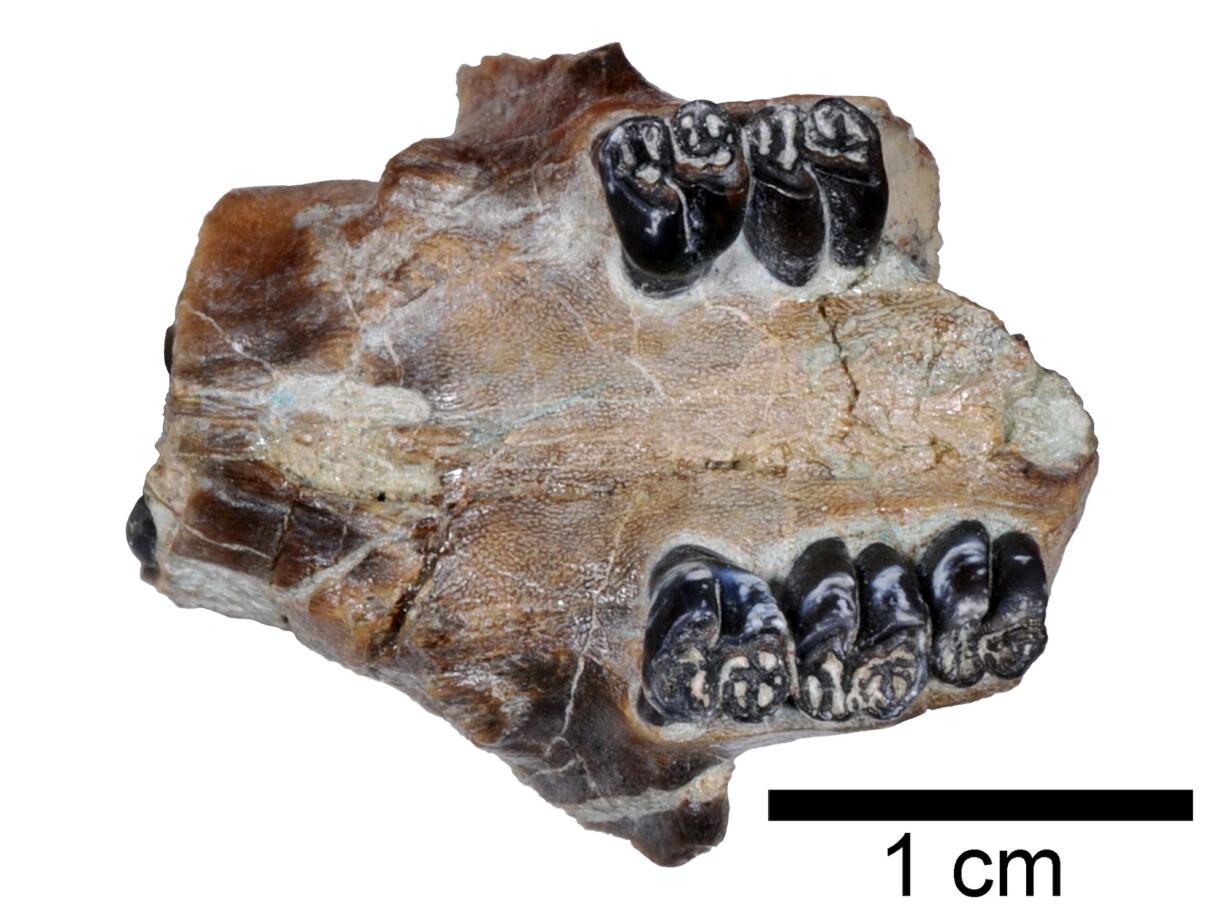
x=429, y=426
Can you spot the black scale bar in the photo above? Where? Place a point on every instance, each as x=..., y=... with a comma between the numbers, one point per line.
x=982, y=804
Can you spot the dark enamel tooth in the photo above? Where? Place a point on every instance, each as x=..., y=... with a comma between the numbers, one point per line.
x=891, y=664
x=752, y=670
x=682, y=631
x=711, y=173
x=142, y=536
x=636, y=164
x=784, y=225
x=823, y=606
x=844, y=147
x=715, y=640
x=955, y=574
x=168, y=346
x=1014, y=634
x=675, y=208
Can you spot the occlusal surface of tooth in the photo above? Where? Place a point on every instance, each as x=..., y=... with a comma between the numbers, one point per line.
x=891, y=664
x=676, y=193
x=1014, y=632
x=716, y=641
x=823, y=602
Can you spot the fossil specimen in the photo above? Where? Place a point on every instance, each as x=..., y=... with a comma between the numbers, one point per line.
x=624, y=433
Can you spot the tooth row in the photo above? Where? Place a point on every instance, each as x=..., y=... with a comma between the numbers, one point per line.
x=840, y=637
x=679, y=192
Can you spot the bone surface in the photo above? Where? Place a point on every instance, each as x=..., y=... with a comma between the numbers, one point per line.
x=542, y=429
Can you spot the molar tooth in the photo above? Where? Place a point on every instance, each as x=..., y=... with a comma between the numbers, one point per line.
x=712, y=176
x=1014, y=634
x=844, y=149
x=784, y=226
x=676, y=196
x=955, y=573
x=891, y=665
x=682, y=629
x=823, y=607
x=716, y=640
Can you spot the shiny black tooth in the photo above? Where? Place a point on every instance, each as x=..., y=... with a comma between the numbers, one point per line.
x=753, y=674
x=784, y=226
x=682, y=631
x=143, y=537
x=677, y=196
x=891, y=664
x=1014, y=634
x=168, y=346
x=716, y=641
x=711, y=173
x=636, y=164
x=823, y=606
x=844, y=148
x=955, y=573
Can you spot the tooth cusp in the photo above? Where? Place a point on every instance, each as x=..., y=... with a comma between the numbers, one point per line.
x=955, y=571
x=892, y=665
x=784, y=225
x=820, y=592
x=716, y=641
x=1014, y=632
x=676, y=193
x=844, y=148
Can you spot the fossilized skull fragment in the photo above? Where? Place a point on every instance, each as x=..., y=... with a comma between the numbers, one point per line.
x=624, y=433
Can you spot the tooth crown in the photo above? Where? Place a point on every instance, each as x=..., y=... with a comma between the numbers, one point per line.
x=818, y=177
x=852, y=638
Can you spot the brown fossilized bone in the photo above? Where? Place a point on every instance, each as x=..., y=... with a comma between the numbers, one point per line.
x=626, y=435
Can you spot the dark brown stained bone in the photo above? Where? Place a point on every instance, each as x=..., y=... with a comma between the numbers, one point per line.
x=247, y=518
x=423, y=426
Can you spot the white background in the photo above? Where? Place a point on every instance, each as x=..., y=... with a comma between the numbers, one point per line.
x=154, y=758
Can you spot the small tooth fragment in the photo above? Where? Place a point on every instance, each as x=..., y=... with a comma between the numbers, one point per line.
x=143, y=537
x=823, y=606
x=1014, y=634
x=844, y=148
x=891, y=665
x=784, y=226
x=955, y=574
x=168, y=347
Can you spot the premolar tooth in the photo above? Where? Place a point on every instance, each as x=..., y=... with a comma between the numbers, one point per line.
x=1014, y=634
x=784, y=226
x=822, y=600
x=844, y=147
x=955, y=573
